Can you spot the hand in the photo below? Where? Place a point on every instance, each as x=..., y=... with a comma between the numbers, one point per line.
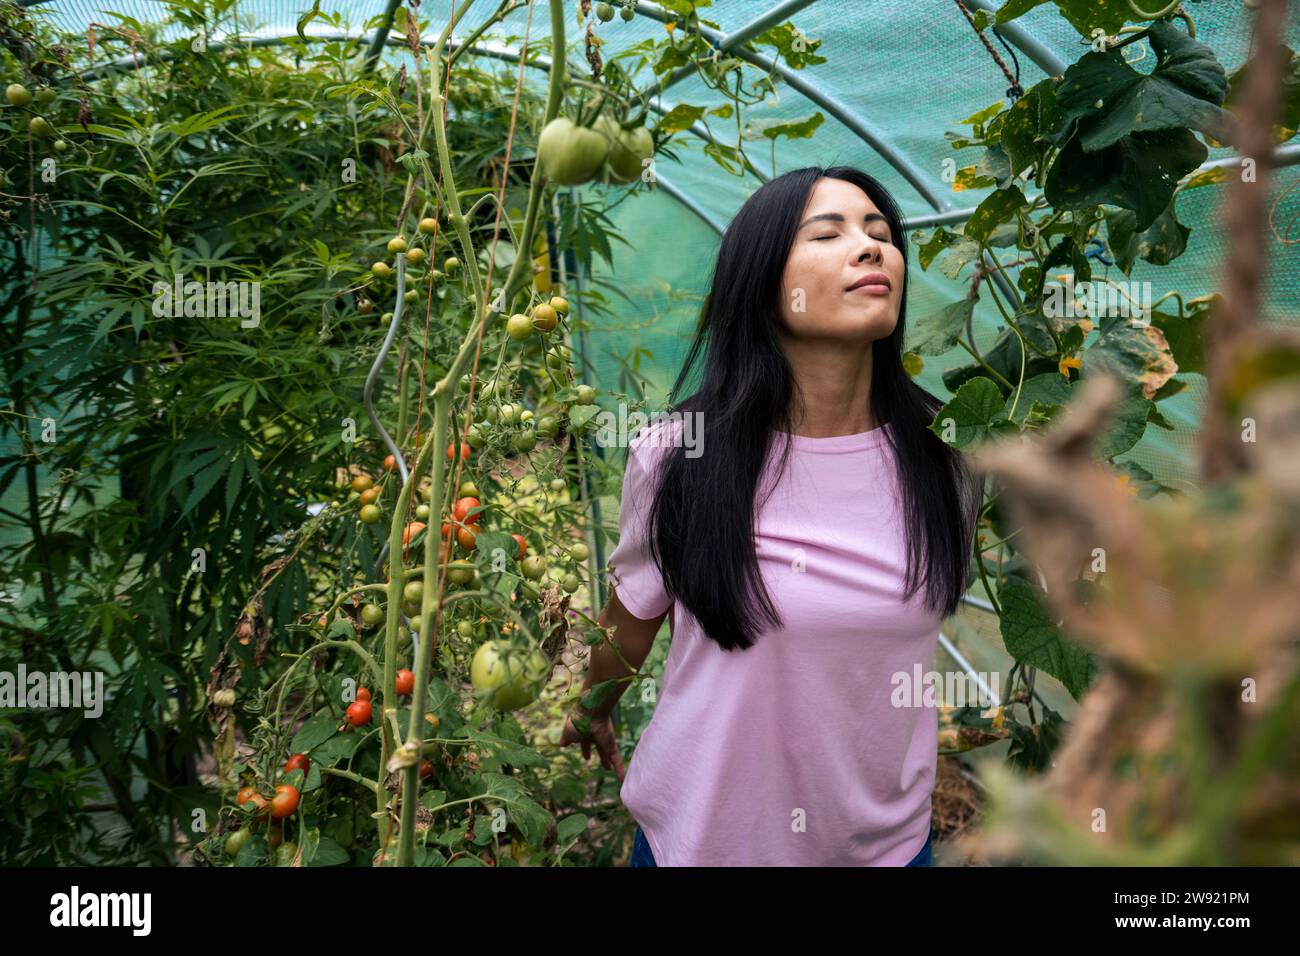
x=602, y=735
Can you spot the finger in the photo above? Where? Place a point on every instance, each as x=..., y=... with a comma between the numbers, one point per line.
x=618, y=764
x=586, y=750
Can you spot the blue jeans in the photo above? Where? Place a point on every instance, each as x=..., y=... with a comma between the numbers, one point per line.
x=641, y=855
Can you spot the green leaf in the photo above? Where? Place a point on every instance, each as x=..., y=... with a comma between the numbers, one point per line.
x=337, y=749
x=1129, y=424
x=1160, y=243
x=998, y=207
x=797, y=50
x=597, y=694
x=972, y=412
x=937, y=333
x=1111, y=100
x=1050, y=388
x=532, y=820
x=790, y=128
x=1034, y=640
x=1084, y=15
x=1140, y=172
x=1288, y=124
x=1130, y=353
x=959, y=255
x=983, y=116
x=313, y=733
x=204, y=482
x=579, y=415
x=938, y=241
x=680, y=117
x=1027, y=126
x=570, y=827
x=1185, y=337
x=329, y=852
x=517, y=755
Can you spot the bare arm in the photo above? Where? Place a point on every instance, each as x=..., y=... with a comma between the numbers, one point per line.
x=634, y=637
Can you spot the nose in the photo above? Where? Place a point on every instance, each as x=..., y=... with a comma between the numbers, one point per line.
x=871, y=250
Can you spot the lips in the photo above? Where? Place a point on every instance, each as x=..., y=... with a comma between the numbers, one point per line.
x=871, y=278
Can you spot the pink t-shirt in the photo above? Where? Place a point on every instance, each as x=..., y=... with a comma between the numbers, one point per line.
x=789, y=753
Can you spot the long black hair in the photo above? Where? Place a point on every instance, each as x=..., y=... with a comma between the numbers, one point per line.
x=747, y=393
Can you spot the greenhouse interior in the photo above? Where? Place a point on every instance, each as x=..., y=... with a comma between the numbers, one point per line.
x=268, y=321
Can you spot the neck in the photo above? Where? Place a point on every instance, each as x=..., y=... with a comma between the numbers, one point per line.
x=834, y=381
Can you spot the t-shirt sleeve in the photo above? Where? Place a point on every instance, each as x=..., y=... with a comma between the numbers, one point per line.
x=633, y=571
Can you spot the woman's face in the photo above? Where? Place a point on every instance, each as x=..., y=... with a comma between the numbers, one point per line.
x=843, y=239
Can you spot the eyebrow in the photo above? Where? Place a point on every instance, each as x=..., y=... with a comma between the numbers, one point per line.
x=837, y=217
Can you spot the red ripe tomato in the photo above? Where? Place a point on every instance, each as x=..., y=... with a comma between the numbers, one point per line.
x=250, y=795
x=467, y=537
x=461, y=511
x=277, y=837
x=363, y=693
x=464, y=452
x=523, y=545
x=390, y=463
x=411, y=530
x=426, y=769
x=359, y=713
x=446, y=530
x=285, y=801
x=405, y=682
x=297, y=762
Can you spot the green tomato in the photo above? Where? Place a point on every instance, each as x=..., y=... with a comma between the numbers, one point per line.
x=547, y=427
x=413, y=591
x=570, y=155
x=571, y=582
x=519, y=327
x=627, y=13
x=511, y=677
x=18, y=95
x=525, y=440
x=533, y=566
x=39, y=126
x=558, y=485
x=509, y=414
x=372, y=615
x=586, y=394
x=474, y=435
x=460, y=572
x=285, y=853
x=465, y=629
x=628, y=149
x=236, y=840
x=579, y=551
x=604, y=12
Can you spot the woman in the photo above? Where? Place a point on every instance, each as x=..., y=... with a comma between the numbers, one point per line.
x=807, y=553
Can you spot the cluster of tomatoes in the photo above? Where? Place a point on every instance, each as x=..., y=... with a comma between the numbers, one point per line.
x=19, y=97
x=282, y=805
